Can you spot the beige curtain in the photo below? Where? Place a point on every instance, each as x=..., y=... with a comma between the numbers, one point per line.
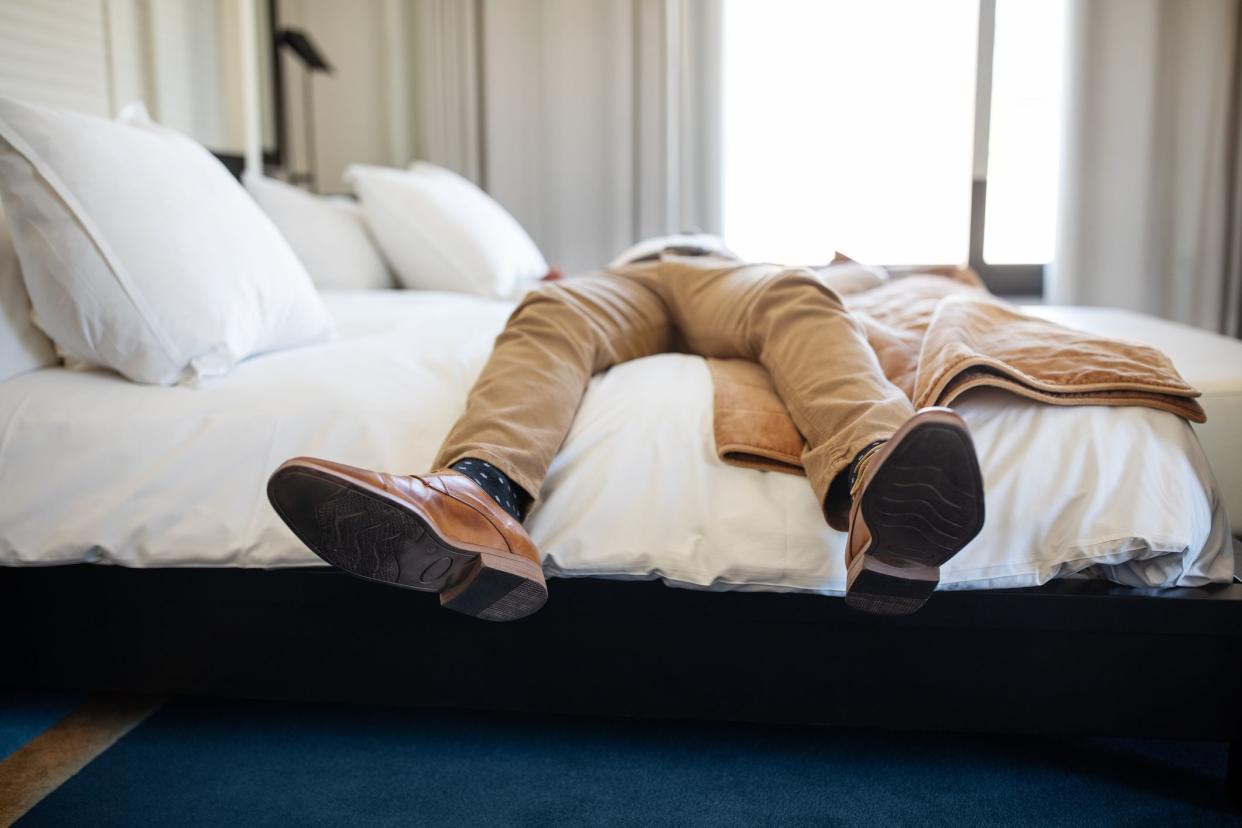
x=594, y=123
x=1232, y=323
x=1150, y=160
x=446, y=66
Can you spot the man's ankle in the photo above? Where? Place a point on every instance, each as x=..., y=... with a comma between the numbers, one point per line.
x=508, y=495
x=840, y=494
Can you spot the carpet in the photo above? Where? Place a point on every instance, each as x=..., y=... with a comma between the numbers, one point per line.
x=196, y=762
x=24, y=716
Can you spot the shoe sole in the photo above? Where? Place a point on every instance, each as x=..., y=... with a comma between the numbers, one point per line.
x=372, y=536
x=924, y=504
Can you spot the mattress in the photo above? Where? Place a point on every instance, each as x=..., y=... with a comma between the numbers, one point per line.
x=94, y=468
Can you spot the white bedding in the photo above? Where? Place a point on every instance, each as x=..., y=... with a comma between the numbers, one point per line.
x=1210, y=362
x=94, y=468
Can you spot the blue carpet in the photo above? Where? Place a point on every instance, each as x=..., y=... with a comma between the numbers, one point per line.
x=202, y=763
x=24, y=716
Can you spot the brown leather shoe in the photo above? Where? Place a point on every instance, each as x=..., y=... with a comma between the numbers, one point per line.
x=918, y=501
x=437, y=533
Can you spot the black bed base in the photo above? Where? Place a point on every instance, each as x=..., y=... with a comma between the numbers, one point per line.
x=1073, y=657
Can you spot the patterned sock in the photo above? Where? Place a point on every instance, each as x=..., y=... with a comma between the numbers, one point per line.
x=510, y=496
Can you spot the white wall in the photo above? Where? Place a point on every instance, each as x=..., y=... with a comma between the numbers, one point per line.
x=54, y=52
x=182, y=59
x=187, y=72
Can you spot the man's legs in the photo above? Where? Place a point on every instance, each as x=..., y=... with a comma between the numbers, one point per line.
x=453, y=531
x=522, y=405
x=906, y=486
x=814, y=350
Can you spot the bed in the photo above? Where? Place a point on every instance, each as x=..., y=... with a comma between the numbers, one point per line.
x=1098, y=600
x=100, y=470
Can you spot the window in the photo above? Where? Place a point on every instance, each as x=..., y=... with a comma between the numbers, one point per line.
x=1024, y=136
x=851, y=126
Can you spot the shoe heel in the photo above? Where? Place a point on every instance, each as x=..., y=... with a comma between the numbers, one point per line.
x=884, y=589
x=497, y=588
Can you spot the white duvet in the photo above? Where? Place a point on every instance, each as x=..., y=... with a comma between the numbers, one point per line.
x=94, y=468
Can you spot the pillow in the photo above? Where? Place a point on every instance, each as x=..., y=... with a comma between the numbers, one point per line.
x=329, y=235
x=441, y=232
x=23, y=347
x=141, y=253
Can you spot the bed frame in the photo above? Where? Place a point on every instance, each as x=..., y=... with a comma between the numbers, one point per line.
x=1069, y=658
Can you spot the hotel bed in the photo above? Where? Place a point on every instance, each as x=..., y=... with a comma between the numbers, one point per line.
x=98, y=469
x=1107, y=528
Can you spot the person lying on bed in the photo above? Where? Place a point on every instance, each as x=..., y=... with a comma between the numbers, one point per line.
x=905, y=484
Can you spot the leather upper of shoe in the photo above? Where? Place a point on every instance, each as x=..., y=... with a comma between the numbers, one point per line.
x=860, y=535
x=459, y=510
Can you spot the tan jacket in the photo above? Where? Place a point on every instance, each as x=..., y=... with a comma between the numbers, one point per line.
x=937, y=334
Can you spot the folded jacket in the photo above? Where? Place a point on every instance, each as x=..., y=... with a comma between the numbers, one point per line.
x=938, y=334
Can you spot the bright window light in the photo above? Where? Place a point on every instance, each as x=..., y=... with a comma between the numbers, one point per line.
x=848, y=126
x=1024, y=148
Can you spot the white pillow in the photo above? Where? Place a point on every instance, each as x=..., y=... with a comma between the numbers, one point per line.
x=329, y=234
x=441, y=232
x=141, y=253
x=23, y=347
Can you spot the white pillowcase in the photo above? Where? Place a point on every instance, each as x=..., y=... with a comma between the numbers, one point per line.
x=141, y=253
x=441, y=232
x=329, y=234
x=23, y=347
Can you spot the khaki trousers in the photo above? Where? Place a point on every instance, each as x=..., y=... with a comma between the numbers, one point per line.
x=829, y=378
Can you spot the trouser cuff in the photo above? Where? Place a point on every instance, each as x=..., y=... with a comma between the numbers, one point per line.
x=827, y=467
